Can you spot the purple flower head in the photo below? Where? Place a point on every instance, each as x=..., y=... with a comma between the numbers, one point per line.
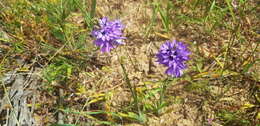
x=108, y=35
x=173, y=55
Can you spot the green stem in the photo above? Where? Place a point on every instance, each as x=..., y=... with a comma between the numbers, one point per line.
x=132, y=89
x=93, y=8
x=231, y=10
x=162, y=92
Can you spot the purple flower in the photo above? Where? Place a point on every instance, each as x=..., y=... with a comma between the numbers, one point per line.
x=108, y=35
x=173, y=55
x=210, y=120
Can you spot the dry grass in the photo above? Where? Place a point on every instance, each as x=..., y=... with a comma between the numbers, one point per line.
x=216, y=86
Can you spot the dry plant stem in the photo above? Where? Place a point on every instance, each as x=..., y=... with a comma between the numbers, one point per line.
x=85, y=105
x=7, y=117
x=253, y=52
x=6, y=55
x=12, y=107
x=2, y=4
x=60, y=115
x=56, y=53
x=222, y=94
x=226, y=55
